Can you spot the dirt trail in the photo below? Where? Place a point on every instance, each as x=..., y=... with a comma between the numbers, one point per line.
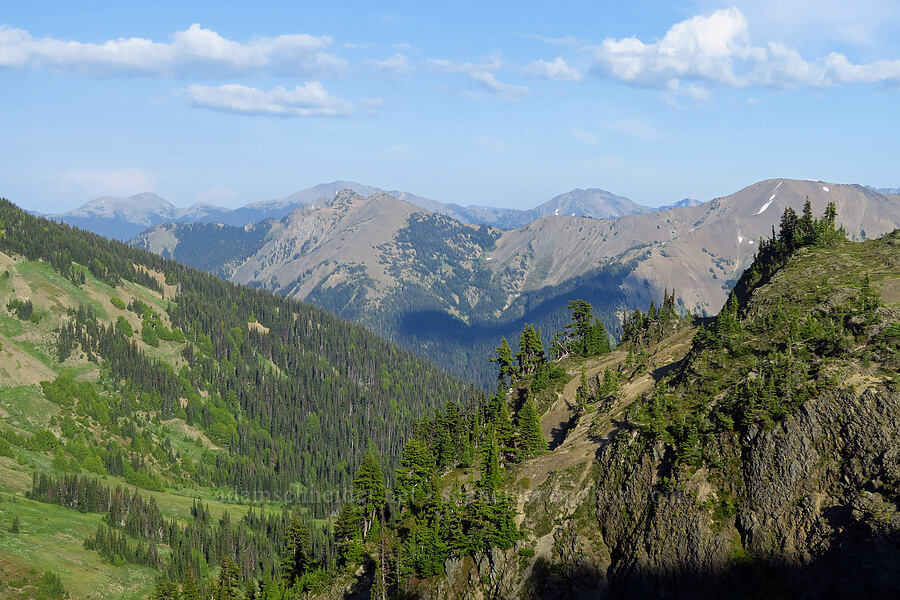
x=579, y=446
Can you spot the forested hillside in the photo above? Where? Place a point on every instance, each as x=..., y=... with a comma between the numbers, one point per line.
x=154, y=375
x=751, y=454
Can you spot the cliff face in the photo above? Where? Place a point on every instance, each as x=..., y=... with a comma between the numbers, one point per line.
x=756, y=458
x=813, y=514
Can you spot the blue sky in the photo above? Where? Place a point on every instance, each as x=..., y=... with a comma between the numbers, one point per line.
x=506, y=104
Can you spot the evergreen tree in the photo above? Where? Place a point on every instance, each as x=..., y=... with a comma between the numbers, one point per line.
x=229, y=584
x=190, y=590
x=582, y=394
x=578, y=331
x=369, y=491
x=531, y=350
x=806, y=224
x=15, y=527
x=788, y=231
x=530, y=438
x=504, y=360
x=416, y=471
x=250, y=589
x=348, y=533
x=491, y=477
x=296, y=552
x=504, y=430
x=166, y=590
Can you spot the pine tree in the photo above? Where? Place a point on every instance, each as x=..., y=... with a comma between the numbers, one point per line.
x=807, y=222
x=296, y=552
x=189, y=588
x=504, y=431
x=250, y=589
x=15, y=527
x=531, y=350
x=416, y=471
x=270, y=590
x=369, y=491
x=578, y=331
x=582, y=394
x=348, y=533
x=530, y=438
x=166, y=590
x=788, y=228
x=504, y=360
x=491, y=476
x=229, y=584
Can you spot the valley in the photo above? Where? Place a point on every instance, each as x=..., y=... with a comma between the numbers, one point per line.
x=447, y=290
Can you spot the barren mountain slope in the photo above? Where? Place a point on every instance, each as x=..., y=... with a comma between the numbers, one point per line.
x=698, y=250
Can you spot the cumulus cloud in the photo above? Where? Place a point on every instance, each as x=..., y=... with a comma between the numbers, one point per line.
x=556, y=70
x=195, y=51
x=482, y=75
x=716, y=48
x=308, y=100
x=393, y=67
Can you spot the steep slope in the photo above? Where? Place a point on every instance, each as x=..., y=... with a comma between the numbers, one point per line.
x=276, y=209
x=758, y=459
x=118, y=363
x=123, y=218
x=448, y=290
x=700, y=250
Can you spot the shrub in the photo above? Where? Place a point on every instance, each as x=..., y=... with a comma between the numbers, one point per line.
x=148, y=334
x=124, y=326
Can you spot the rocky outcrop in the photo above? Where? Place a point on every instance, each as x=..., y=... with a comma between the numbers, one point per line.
x=815, y=496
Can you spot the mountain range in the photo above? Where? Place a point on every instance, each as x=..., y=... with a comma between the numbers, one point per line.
x=123, y=218
x=449, y=289
x=752, y=455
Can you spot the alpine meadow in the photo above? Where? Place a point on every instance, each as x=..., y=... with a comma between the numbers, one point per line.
x=295, y=303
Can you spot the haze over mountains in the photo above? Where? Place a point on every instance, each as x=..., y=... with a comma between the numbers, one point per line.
x=449, y=289
x=123, y=218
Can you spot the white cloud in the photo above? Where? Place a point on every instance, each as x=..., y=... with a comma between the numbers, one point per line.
x=105, y=182
x=817, y=23
x=195, y=51
x=372, y=102
x=716, y=48
x=393, y=67
x=308, y=100
x=882, y=71
x=482, y=75
x=556, y=70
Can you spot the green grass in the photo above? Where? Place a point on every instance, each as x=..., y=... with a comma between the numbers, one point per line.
x=41, y=278
x=26, y=406
x=147, y=296
x=52, y=537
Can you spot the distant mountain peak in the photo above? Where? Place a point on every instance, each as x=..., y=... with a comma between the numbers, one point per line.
x=683, y=203
x=124, y=217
